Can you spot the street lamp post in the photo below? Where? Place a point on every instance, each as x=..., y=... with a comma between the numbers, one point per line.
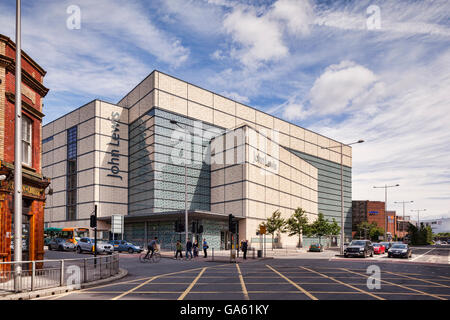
x=403, y=202
x=385, y=205
x=418, y=218
x=18, y=156
x=341, y=146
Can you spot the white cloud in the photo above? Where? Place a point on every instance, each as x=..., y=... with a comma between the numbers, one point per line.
x=259, y=32
x=334, y=91
x=293, y=112
x=236, y=96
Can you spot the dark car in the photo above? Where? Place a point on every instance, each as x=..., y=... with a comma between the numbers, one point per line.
x=401, y=250
x=316, y=247
x=362, y=248
x=122, y=245
x=61, y=245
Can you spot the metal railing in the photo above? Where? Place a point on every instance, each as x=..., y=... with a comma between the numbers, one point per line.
x=45, y=274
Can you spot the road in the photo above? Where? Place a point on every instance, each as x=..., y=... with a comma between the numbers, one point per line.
x=318, y=276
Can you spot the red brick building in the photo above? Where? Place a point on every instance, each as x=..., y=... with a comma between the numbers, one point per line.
x=373, y=211
x=34, y=184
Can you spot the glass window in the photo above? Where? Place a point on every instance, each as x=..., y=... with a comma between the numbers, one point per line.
x=26, y=140
x=71, y=184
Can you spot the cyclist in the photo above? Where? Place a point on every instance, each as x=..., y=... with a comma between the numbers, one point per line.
x=151, y=247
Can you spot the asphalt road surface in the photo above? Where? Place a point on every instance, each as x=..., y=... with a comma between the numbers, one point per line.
x=321, y=276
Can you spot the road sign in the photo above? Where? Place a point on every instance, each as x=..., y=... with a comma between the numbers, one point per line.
x=116, y=224
x=262, y=229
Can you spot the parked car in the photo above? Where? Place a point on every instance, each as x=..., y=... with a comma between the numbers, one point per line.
x=378, y=248
x=386, y=245
x=362, y=248
x=87, y=244
x=401, y=250
x=122, y=245
x=316, y=247
x=61, y=244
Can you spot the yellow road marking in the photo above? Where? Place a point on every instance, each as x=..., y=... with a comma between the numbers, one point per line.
x=444, y=277
x=191, y=285
x=293, y=283
x=244, y=289
x=435, y=283
x=153, y=278
x=399, y=285
x=345, y=284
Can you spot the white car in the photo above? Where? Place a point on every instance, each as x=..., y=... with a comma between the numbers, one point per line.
x=87, y=244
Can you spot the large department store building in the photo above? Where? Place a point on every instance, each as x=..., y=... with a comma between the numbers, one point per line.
x=128, y=159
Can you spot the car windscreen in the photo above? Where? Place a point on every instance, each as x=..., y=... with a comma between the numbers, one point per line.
x=399, y=246
x=377, y=244
x=357, y=243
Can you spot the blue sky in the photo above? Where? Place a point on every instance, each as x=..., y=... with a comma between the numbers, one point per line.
x=329, y=66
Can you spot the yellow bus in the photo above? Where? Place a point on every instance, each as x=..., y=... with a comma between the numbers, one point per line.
x=73, y=234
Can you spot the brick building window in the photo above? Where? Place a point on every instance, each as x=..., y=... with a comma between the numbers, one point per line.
x=27, y=127
x=71, y=186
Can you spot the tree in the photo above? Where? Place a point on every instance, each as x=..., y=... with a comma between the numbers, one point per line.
x=370, y=230
x=321, y=227
x=275, y=224
x=335, y=229
x=297, y=224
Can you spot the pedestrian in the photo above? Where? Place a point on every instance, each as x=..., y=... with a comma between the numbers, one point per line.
x=195, y=246
x=188, y=249
x=244, y=248
x=179, y=248
x=205, y=248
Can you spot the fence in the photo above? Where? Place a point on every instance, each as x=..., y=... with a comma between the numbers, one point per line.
x=44, y=274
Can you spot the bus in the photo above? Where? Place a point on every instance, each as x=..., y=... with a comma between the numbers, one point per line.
x=73, y=234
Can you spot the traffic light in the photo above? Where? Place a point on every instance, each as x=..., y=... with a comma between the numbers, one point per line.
x=231, y=223
x=93, y=221
x=200, y=229
x=194, y=227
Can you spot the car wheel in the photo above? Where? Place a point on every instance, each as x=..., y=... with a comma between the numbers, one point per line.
x=60, y=248
x=79, y=250
x=130, y=250
x=371, y=253
x=50, y=247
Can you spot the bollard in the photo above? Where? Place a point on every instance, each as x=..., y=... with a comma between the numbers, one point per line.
x=253, y=250
x=33, y=274
x=61, y=280
x=85, y=271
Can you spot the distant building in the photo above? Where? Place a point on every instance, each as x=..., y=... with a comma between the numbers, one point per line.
x=373, y=211
x=441, y=225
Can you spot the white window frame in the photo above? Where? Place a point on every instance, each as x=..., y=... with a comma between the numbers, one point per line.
x=29, y=124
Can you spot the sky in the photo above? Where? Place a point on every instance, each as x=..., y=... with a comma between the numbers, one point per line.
x=372, y=70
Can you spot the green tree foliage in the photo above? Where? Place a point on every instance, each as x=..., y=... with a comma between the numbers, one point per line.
x=297, y=225
x=275, y=224
x=321, y=227
x=335, y=228
x=422, y=236
x=369, y=230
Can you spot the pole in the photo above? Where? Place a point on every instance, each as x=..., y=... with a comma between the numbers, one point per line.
x=342, y=201
x=95, y=235
x=385, y=213
x=18, y=155
x=185, y=189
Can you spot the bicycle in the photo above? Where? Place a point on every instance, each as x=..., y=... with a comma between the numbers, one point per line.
x=144, y=258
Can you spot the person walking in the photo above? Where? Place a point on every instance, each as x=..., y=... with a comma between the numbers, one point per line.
x=195, y=246
x=205, y=248
x=244, y=248
x=179, y=248
x=188, y=249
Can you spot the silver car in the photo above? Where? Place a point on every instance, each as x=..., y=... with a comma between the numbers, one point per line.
x=87, y=244
x=61, y=245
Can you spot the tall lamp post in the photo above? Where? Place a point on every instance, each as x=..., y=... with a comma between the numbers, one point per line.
x=18, y=157
x=185, y=180
x=418, y=218
x=385, y=205
x=403, y=202
x=341, y=146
